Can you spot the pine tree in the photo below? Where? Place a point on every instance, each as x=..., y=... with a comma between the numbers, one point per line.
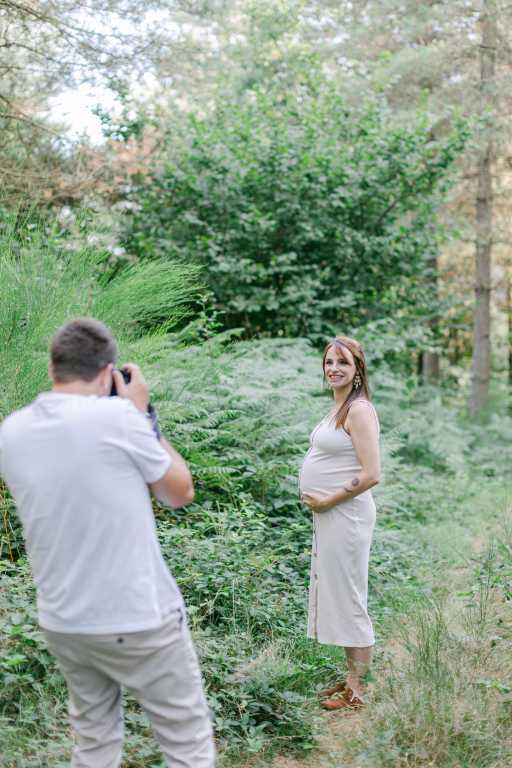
x=481, y=363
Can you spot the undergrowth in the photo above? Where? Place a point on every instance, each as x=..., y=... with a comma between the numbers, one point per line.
x=240, y=412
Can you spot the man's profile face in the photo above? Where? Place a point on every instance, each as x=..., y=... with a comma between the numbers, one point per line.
x=105, y=379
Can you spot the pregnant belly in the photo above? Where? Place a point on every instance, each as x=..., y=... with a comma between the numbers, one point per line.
x=323, y=477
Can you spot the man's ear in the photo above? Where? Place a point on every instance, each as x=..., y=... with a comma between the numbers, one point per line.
x=106, y=376
x=50, y=372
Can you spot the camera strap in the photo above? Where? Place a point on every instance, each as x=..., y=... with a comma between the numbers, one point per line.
x=152, y=415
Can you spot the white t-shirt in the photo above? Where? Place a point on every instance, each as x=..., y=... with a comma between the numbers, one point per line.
x=78, y=467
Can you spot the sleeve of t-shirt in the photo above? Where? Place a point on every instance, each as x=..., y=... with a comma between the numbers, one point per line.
x=2, y=450
x=141, y=444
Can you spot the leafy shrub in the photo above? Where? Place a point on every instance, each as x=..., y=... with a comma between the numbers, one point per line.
x=303, y=212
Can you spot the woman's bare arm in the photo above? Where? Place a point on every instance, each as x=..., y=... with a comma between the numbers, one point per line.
x=363, y=429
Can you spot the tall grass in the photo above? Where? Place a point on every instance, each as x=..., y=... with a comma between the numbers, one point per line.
x=445, y=699
x=38, y=290
x=44, y=282
x=149, y=297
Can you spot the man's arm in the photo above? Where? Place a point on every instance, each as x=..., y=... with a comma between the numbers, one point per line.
x=175, y=487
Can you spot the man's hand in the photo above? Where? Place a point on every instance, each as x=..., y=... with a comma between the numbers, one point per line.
x=317, y=504
x=136, y=390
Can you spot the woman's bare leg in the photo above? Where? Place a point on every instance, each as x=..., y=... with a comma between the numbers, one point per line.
x=358, y=662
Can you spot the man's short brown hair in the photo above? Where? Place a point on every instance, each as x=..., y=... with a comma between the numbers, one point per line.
x=80, y=349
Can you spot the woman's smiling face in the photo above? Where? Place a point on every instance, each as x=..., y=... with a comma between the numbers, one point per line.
x=339, y=366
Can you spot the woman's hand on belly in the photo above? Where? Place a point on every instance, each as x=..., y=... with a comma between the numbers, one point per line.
x=316, y=503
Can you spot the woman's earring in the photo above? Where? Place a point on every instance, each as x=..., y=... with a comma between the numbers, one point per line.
x=357, y=381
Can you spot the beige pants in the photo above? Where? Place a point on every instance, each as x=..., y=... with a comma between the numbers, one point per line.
x=160, y=668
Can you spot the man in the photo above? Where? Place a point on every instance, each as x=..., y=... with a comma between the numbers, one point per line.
x=79, y=465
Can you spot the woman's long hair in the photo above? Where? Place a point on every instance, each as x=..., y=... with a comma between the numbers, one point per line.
x=342, y=343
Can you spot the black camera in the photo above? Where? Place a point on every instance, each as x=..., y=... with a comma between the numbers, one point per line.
x=126, y=376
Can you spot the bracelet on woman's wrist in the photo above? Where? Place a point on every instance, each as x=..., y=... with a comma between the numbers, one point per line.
x=152, y=415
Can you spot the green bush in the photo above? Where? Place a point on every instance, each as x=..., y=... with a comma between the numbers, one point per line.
x=303, y=212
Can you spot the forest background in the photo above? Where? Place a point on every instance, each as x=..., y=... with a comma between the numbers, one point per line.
x=271, y=174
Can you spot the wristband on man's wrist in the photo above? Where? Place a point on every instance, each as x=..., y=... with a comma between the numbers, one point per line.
x=152, y=415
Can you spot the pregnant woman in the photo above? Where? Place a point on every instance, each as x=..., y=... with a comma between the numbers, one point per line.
x=339, y=469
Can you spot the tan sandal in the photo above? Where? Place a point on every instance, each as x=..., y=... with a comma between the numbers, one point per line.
x=327, y=692
x=353, y=700
x=345, y=699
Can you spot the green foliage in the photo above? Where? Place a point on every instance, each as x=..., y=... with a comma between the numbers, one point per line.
x=46, y=280
x=304, y=213
x=240, y=412
x=148, y=297
x=40, y=285
x=130, y=122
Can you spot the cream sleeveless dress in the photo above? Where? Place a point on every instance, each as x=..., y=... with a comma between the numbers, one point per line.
x=342, y=536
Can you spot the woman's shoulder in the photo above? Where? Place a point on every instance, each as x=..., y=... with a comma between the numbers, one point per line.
x=360, y=403
x=361, y=406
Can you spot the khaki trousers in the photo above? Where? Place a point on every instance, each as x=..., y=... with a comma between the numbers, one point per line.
x=160, y=668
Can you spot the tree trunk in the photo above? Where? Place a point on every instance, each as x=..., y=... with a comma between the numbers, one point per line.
x=509, y=339
x=430, y=368
x=481, y=363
